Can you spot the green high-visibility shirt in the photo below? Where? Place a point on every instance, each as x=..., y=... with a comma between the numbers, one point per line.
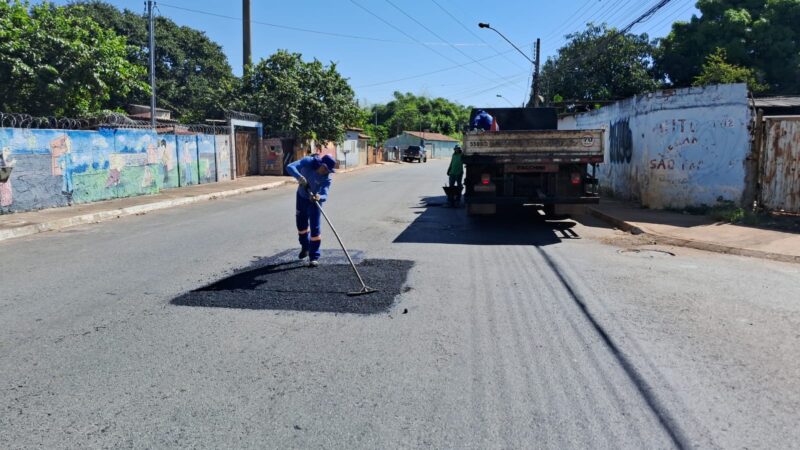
x=456, y=166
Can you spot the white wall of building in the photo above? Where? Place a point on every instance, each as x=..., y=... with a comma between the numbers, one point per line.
x=674, y=148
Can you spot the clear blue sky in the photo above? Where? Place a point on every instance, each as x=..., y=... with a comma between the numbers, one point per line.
x=379, y=58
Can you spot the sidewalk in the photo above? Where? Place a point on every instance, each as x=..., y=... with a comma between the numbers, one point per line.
x=27, y=223
x=700, y=232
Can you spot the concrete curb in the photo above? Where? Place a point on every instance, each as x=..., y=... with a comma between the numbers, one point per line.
x=116, y=213
x=621, y=224
x=102, y=216
x=697, y=245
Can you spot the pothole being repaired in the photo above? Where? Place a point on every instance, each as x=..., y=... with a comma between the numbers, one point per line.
x=281, y=282
x=646, y=253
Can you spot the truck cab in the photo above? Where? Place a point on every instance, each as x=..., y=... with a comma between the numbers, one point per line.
x=529, y=162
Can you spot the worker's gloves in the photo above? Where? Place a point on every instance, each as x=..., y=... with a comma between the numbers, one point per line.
x=315, y=197
x=302, y=181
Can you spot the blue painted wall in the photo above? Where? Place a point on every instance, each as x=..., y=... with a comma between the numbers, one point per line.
x=61, y=167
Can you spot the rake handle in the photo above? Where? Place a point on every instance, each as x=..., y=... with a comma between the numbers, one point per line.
x=346, y=253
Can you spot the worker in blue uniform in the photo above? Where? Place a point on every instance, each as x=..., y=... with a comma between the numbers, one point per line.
x=483, y=121
x=313, y=174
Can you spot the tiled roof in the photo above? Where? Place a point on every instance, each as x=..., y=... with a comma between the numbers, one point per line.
x=431, y=136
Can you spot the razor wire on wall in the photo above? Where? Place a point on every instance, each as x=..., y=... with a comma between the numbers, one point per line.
x=62, y=161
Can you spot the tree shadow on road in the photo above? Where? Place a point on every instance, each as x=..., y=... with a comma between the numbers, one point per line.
x=280, y=282
x=439, y=224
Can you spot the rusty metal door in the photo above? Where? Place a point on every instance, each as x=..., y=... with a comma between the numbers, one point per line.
x=246, y=153
x=780, y=182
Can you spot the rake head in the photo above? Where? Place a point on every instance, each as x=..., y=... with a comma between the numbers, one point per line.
x=364, y=291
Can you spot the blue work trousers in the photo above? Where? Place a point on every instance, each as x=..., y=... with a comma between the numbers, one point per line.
x=308, y=223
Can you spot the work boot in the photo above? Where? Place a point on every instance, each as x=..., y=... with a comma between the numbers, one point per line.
x=303, y=254
x=313, y=264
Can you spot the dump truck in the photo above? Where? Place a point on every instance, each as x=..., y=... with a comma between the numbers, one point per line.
x=530, y=162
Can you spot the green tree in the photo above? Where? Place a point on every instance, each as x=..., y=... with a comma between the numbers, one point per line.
x=54, y=63
x=410, y=112
x=304, y=99
x=717, y=70
x=598, y=64
x=193, y=77
x=763, y=36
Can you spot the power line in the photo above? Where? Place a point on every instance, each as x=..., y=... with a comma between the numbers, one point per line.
x=646, y=16
x=441, y=38
x=444, y=69
x=676, y=12
x=403, y=32
x=492, y=88
x=568, y=23
x=605, y=41
x=592, y=15
x=287, y=27
x=469, y=30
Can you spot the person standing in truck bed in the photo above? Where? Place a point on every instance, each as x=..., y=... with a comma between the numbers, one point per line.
x=484, y=121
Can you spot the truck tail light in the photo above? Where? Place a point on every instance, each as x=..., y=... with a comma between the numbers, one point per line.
x=576, y=178
x=485, y=179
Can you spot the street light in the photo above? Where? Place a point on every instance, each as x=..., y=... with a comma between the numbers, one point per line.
x=486, y=25
x=509, y=101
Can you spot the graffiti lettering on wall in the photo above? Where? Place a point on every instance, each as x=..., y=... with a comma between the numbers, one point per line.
x=57, y=167
x=670, y=164
x=621, y=142
x=690, y=150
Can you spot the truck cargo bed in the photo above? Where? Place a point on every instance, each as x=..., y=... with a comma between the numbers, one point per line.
x=578, y=146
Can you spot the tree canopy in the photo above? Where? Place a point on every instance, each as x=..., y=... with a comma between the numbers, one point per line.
x=411, y=112
x=763, y=36
x=193, y=77
x=598, y=64
x=55, y=63
x=304, y=99
x=717, y=70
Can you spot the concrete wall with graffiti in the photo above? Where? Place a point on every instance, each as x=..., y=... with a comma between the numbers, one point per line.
x=61, y=167
x=675, y=148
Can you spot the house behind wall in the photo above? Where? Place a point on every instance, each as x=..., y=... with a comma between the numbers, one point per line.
x=675, y=148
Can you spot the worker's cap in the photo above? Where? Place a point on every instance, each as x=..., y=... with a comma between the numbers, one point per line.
x=457, y=147
x=329, y=162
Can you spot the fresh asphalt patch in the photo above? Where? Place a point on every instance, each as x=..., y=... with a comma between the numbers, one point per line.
x=281, y=282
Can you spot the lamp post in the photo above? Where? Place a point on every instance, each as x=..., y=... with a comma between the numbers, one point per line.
x=509, y=101
x=486, y=25
x=534, y=100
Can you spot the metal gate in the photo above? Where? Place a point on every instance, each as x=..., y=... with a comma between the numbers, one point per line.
x=246, y=153
x=780, y=164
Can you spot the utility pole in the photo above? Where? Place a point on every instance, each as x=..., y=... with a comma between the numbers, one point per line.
x=248, y=56
x=534, y=100
x=151, y=30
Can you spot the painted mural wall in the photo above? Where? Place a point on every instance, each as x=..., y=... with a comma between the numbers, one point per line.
x=207, y=159
x=675, y=148
x=223, y=151
x=61, y=167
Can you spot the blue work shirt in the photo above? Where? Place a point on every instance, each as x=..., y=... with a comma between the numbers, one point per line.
x=307, y=168
x=482, y=120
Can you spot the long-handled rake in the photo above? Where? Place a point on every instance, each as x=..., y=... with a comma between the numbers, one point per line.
x=364, y=288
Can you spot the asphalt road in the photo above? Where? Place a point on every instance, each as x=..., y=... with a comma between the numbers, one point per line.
x=191, y=327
